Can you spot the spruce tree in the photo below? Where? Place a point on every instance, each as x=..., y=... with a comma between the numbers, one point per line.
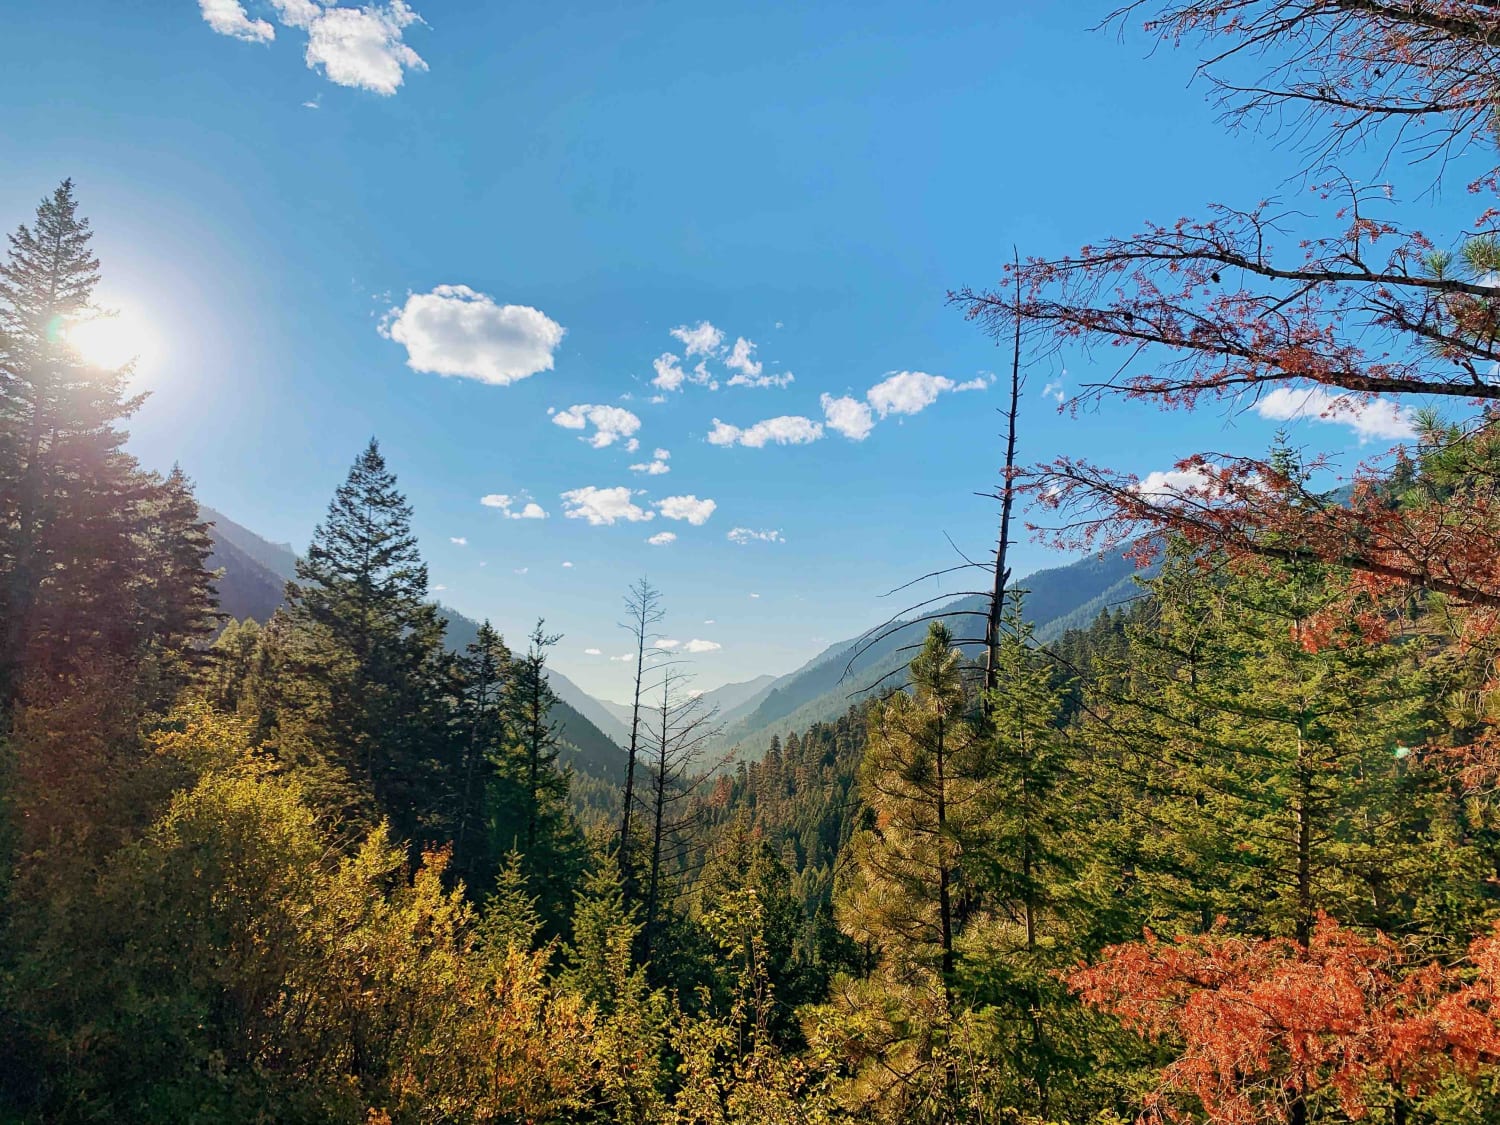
x=373, y=645
x=529, y=806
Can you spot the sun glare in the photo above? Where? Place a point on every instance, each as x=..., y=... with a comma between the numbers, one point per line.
x=111, y=340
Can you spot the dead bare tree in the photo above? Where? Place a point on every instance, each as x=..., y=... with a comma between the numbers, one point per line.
x=681, y=727
x=644, y=612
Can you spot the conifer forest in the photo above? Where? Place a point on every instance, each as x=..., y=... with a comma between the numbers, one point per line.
x=1207, y=830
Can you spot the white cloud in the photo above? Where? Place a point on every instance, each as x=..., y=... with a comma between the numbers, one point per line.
x=652, y=468
x=702, y=340
x=1170, y=484
x=789, y=429
x=439, y=588
x=910, y=392
x=739, y=359
x=507, y=506
x=1055, y=391
x=567, y=566
x=669, y=373
x=695, y=645
x=610, y=423
x=662, y=538
x=601, y=506
x=632, y=445
x=689, y=508
x=785, y=379
x=455, y=330
x=710, y=621
x=228, y=17
x=755, y=595
x=744, y=535
x=662, y=454
x=361, y=47
x=623, y=658
x=592, y=652
x=848, y=416
x=1372, y=419
x=458, y=540
x=668, y=643
x=522, y=569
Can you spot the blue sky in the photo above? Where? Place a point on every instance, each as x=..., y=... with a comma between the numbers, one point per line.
x=316, y=213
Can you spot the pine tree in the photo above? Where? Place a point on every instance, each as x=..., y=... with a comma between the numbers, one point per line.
x=373, y=645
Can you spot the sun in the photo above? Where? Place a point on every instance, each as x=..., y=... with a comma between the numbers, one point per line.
x=112, y=339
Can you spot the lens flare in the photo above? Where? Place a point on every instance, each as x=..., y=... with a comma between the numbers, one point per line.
x=112, y=339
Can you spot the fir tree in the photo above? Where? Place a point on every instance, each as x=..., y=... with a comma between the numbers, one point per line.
x=373, y=645
x=70, y=497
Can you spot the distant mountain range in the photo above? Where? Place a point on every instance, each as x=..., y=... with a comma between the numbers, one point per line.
x=821, y=690
x=255, y=572
x=252, y=583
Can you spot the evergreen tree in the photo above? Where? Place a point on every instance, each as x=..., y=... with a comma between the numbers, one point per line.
x=483, y=733
x=529, y=802
x=73, y=529
x=373, y=646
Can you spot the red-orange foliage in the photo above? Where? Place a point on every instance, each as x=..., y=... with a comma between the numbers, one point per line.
x=1267, y=1023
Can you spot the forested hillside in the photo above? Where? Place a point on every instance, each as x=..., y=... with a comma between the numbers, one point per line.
x=1204, y=830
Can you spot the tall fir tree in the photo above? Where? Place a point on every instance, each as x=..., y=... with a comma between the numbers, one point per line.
x=71, y=499
x=373, y=646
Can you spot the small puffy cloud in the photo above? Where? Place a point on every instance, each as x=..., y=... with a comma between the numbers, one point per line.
x=1370, y=419
x=360, y=47
x=668, y=643
x=592, y=652
x=744, y=535
x=1168, y=484
x=513, y=507
x=610, y=423
x=910, y=392
x=662, y=454
x=228, y=17
x=695, y=645
x=789, y=429
x=632, y=445
x=603, y=506
x=1055, y=392
x=739, y=359
x=710, y=621
x=567, y=566
x=702, y=340
x=522, y=569
x=439, y=588
x=653, y=468
x=848, y=416
x=689, y=508
x=454, y=330
x=363, y=47
x=785, y=379
x=623, y=658
x=662, y=538
x=669, y=373
x=458, y=540
x=755, y=595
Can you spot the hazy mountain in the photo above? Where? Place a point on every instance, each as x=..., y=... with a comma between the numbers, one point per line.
x=1057, y=599
x=252, y=584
